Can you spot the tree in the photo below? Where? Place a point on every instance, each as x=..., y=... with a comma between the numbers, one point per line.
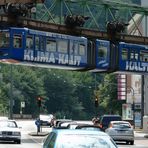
x=108, y=95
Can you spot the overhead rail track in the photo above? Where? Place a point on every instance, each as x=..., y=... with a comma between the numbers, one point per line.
x=3, y=2
x=49, y=16
x=50, y=27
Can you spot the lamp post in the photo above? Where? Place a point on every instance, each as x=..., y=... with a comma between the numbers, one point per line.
x=133, y=100
x=11, y=93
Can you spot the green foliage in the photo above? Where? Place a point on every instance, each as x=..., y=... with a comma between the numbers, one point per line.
x=67, y=94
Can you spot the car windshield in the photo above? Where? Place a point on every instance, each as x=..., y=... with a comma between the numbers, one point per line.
x=7, y=124
x=84, y=141
x=121, y=125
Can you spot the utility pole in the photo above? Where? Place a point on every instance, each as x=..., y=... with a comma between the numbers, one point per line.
x=142, y=100
x=11, y=94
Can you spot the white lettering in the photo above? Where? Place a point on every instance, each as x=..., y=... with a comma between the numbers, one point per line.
x=136, y=66
x=47, y=57
x=28, y=55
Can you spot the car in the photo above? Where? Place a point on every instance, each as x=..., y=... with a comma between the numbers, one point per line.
x=83, y=126
x=9, y=131
x=121, y=131
x=63, y=124
x=46, y=120
x=68, y=138
x=89, y=127
x=105, y=120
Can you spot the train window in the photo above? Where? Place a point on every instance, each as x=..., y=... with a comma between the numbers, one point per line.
x=37, y=43
x=17, y=41
x=124, y=54
x=133, y=55
x=102, y=52
x=4, y=39
x=76, y=48
x=136, y=56
x=51, y=45
x=63, y=46
x=42, y=43
x=29, y=42
x=81, y=49
x=144, y=56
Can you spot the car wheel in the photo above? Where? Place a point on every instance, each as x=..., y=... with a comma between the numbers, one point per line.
x=127, y=142
x=18, y=141
x=132, y=142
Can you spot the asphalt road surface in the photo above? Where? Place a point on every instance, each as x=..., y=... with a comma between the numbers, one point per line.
x=29, y=141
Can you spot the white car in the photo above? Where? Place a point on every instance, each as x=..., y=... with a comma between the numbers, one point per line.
x=9, y=131
x=46, y=120
x=121, y=131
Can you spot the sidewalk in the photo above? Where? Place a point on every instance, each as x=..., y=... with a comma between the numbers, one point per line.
x=43, y=132
x=39, y=134
x=140, y=133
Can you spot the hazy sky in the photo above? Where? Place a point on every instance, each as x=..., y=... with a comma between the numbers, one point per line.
x=144, y=2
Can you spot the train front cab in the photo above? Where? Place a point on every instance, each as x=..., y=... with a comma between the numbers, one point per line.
x=133, y=58
x=101, y=56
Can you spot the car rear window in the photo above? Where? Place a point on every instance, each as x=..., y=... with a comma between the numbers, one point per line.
x=121, y=125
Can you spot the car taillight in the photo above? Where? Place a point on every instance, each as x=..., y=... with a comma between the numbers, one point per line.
x=111, y=125
x=100, y=126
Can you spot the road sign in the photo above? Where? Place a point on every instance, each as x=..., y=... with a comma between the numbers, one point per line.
x=23, y=104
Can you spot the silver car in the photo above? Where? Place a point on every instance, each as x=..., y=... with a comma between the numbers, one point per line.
x=121, y=131
x=67, y=138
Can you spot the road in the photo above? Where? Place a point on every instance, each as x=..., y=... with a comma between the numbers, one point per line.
x=140, y=142
x=37, y=141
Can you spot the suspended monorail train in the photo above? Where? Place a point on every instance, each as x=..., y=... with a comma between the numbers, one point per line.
x=42, y=49
x=53, y=50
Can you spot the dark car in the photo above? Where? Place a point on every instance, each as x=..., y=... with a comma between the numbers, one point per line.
x=106, y=119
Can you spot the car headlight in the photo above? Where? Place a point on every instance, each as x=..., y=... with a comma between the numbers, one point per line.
x=16, y=133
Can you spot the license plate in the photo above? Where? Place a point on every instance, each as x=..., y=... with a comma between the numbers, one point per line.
x=121, y=131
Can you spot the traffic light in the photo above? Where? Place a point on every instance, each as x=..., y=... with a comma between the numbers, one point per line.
x=39, y=101
x=96, y=101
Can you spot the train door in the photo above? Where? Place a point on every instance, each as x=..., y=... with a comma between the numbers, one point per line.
x=114, y=57
x=62, y=54
x=78, y=52
x=91, y=55
x=17, y=36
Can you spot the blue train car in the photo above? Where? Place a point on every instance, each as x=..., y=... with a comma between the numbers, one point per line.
x=132, y=58
x=43, y=49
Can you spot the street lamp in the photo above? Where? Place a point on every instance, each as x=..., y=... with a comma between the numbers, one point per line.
x=133, y=105
x=11, y=93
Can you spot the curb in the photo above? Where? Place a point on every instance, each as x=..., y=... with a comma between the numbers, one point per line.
x=38, y=134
